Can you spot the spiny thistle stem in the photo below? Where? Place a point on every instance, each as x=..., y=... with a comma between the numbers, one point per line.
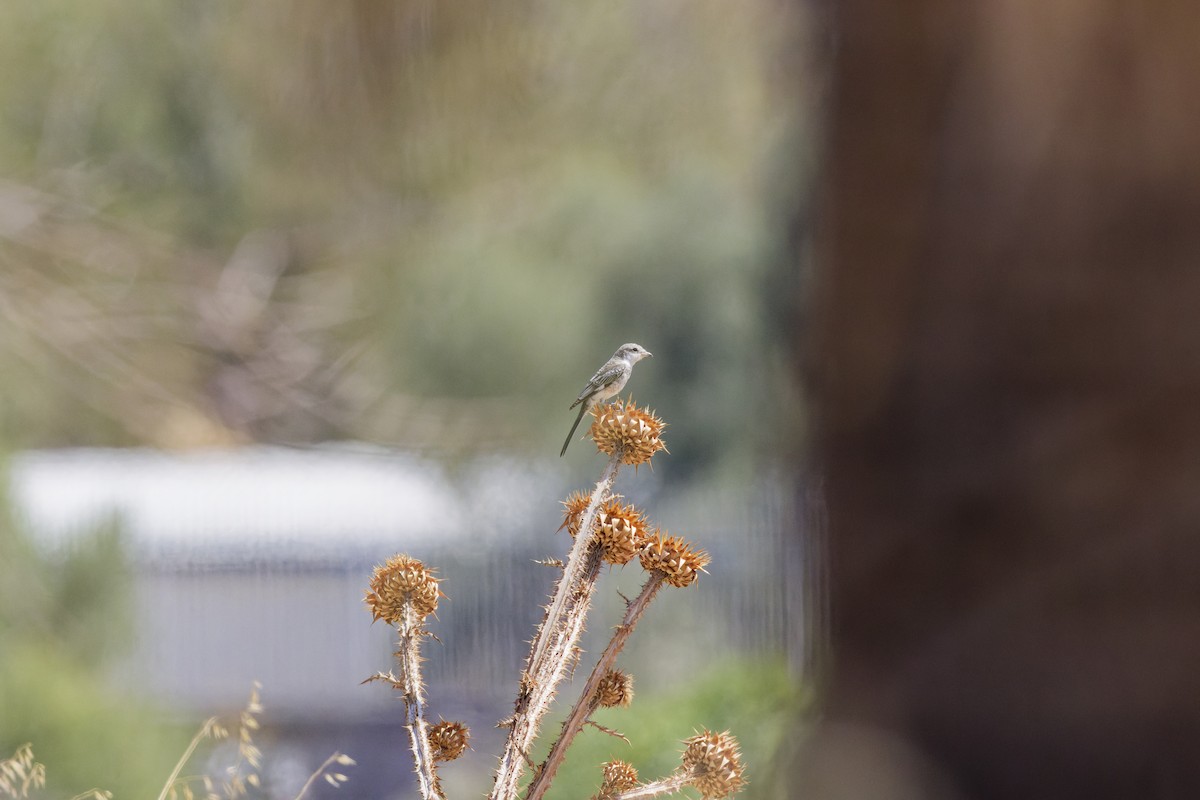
x=538, y=690
x=554, y=641
x=402, y=593
x=408, y=657
x=574, y=569
x=588, y=697
x=668, y=785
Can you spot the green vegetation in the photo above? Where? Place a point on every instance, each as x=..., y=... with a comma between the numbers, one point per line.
x=63, y=619
x=405, y=222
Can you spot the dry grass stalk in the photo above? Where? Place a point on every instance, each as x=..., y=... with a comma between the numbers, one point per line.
x=210, y=729
x=244, y=771
x=20, y=773
x=334, y=779
x=242, y=774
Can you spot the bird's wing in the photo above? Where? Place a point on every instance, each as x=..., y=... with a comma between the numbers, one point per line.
x=607, y=374
x=603, y=377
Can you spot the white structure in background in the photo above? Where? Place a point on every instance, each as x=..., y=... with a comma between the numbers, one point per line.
x=208, y=502
x=251, y=564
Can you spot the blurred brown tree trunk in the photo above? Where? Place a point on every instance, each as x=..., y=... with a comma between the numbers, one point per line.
x=1007, y=372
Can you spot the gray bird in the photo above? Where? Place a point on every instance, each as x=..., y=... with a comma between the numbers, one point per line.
x=608, y=382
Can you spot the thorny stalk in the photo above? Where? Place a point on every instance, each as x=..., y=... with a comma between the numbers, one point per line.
x=402, y=593
x=668, y=785
x=554, y=642
x=408, y=657
x=588, y=697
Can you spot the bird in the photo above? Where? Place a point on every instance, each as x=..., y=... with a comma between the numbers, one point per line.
x=608, y=381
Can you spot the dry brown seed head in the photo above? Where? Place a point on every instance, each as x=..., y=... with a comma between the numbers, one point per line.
x=618, y=777
x=448, y=740
x=673, y=556
x=715, y=763
x=623, y=429
x=402, y=580
x=615, y=689
x=621, y=531
x=573, y=508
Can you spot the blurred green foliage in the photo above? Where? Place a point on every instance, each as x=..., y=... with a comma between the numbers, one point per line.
x=64, y=617
x=415, y=223
x=758, y=701
x=86, y=734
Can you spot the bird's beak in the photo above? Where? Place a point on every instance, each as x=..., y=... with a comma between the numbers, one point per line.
x=649, y=354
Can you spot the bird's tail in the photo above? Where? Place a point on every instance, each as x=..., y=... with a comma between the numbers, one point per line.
x=582, y=409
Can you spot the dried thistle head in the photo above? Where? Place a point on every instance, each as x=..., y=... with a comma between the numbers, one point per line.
x=621, y=531
x=400, y=581
x=615, y=689
x=675, y=558
x=573, y=508
x=623, y=429
x=618, y=777
x=714, y=761
x=448, y=740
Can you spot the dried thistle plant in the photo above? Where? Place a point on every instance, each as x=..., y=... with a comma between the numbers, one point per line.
x=614, y=689
x=624, y=431
x=449, y=740
x=621, y=530
x=404, y=593
x=604, y=530
x=669, y=560
x=711, y=763
x=629, y=436
x=618, y=777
